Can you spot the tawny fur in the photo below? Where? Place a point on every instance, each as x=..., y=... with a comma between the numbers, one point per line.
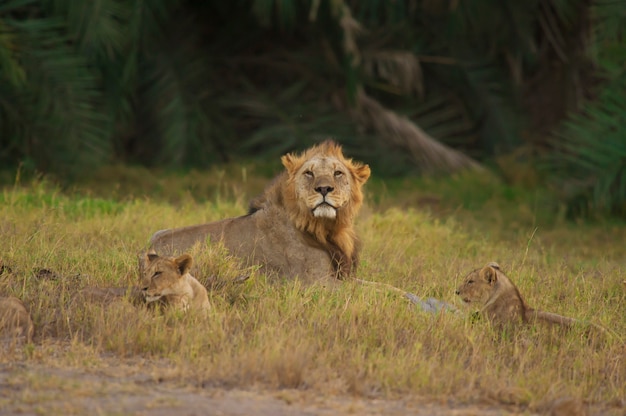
x=302, y=225
x=15, y=321
x=501, y=301
x=167, y=279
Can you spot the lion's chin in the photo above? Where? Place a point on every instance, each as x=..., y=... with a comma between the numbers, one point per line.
x=325, y=211
x=152, y=298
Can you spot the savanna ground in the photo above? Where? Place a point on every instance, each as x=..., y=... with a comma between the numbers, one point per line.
x=281, y=348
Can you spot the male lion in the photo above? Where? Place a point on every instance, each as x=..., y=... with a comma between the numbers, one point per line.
x=302, y=225
x=167, y=279
x=501, y=301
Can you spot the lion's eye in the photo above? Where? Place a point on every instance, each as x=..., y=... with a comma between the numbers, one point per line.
x=338, y=174
x=308, y=173
x=156, y=274
x=469, y=282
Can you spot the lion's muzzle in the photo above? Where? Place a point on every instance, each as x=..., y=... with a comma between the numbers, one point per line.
x=325, y=210
x=150, y=297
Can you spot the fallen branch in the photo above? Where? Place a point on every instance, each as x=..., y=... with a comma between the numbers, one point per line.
x=429, y=154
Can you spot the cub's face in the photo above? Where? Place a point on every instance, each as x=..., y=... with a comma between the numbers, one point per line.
x=324, y=185
x=478, y=285
x=162, y=276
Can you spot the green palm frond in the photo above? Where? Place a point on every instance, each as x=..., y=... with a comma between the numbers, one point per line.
x=11, y=70
x=61, y=124
x=588, y=165
x=589, y=162
x=98, y=26
x=179, y=93
x=607, y=45
x=608, y=16
x=67, y=99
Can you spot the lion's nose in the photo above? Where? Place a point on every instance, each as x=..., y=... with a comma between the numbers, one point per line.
x=324, y=190
x=457, y=292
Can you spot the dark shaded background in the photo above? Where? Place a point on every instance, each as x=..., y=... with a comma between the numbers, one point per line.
x=412, y=87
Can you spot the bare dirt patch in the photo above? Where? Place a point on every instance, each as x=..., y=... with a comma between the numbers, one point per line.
x=114, y=387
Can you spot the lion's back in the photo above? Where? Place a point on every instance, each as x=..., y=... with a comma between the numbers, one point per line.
x=268, y=238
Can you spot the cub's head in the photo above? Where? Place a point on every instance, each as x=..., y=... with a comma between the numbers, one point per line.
x=323, y=184
x=161, y=276
x=479, y=284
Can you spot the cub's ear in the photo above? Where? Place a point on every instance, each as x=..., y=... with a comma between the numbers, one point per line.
x=489, y=274
x=361, y=173
x=183, y=263
x=494, y=265
x=151, y=256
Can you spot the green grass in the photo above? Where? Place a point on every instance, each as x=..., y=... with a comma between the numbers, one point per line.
x=347, y=340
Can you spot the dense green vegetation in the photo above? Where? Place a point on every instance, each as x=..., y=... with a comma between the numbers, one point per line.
x=408, y=86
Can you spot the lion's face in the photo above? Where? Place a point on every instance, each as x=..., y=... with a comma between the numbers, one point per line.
x=479, y=284
x=325, y=183
x=163, y=276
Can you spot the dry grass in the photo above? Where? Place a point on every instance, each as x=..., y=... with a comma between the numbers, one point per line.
x=348, y=340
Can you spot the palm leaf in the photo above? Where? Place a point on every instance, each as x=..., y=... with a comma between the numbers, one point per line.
x=59, y=107
x=180, y=99
x=10, y=67
x=99, y=26
x=587, y=166
x=590, y=172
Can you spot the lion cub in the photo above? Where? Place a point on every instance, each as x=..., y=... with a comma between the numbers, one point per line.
x=501, y=300
x=15, y=320
x=168, y=279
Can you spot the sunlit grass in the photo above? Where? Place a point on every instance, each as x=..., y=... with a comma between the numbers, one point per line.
x=347, y=339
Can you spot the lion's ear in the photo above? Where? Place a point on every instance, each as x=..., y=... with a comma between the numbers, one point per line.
x=290, y=162
x=361, y=173
x=183, y=263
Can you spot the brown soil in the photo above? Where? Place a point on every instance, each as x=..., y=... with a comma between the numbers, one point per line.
x=109, y=385
x=112, y=386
